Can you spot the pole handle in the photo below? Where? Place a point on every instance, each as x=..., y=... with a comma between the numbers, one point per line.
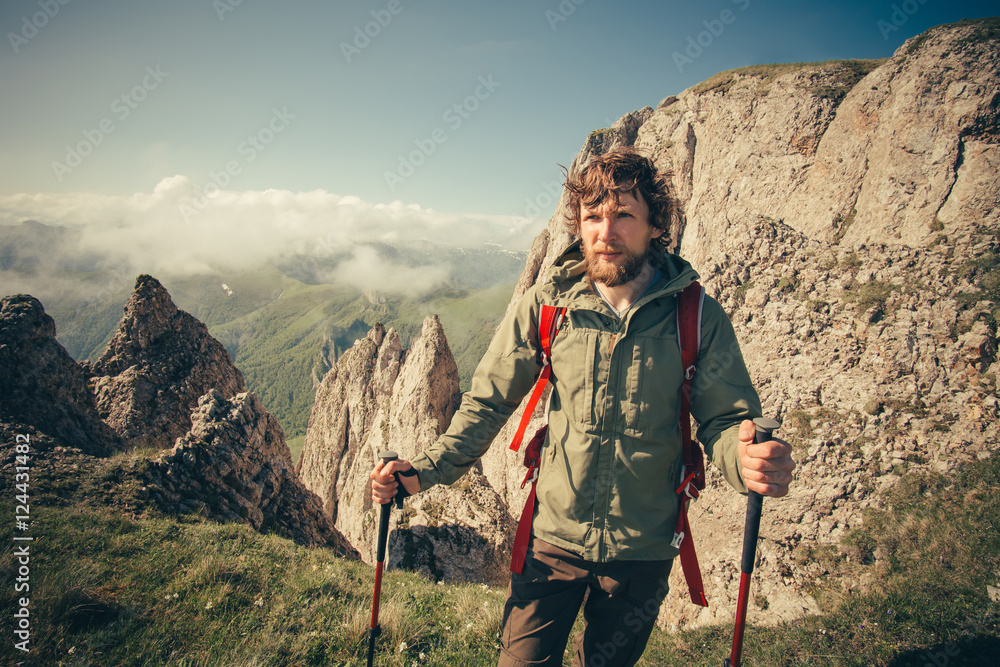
x=383, y=527
x=401, y=492
x=764, y=427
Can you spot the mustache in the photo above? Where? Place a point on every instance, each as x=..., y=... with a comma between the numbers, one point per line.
x=605, y=247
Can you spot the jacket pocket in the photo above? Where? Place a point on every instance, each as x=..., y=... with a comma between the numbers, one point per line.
x=574, y=355
x=653, y=384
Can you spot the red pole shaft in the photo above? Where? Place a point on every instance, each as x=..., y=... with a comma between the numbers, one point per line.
x=378, y=595
x=741, y=620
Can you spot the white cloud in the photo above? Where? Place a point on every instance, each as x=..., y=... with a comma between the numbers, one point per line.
x=367, y=270
x=176, y=230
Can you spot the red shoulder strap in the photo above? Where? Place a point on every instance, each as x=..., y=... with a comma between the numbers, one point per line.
x=689, y=305
x=548, y=326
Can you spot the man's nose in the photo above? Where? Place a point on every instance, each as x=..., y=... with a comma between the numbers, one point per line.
x=605, y=231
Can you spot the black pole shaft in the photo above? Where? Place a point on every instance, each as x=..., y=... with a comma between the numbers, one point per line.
x=374, y=629
x=751, y=530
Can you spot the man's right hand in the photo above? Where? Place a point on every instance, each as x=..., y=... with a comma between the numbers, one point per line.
x=384, y=482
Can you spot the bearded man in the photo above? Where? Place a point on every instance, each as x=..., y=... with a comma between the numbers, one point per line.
x=603, y=529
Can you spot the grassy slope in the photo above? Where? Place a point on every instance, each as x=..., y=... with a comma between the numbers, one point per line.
x=107, y=589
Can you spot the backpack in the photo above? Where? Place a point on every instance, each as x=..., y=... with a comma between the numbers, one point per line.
x=689, y=306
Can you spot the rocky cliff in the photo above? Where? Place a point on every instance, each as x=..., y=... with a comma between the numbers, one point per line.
x=234, y=466
x=42, y=386
x=380, y=397
x=845, y=214
x=156, y=367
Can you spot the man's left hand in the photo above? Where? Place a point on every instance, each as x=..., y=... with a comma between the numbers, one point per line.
x=767, y=467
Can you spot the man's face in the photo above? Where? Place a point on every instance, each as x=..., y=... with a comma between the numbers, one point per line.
x=616, y=239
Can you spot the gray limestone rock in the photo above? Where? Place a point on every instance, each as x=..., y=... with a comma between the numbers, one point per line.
x=156, y=367
x=42, y=386
x=234, y=465
x=380, y=397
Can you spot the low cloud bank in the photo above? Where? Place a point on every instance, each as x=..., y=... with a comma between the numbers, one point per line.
x=176, y=230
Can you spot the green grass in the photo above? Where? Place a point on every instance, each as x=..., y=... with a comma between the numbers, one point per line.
x=108, y=589
x=985, y=29
x=983, y=272
x=295, y=446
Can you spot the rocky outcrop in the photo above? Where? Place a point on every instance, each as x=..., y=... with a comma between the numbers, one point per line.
x=42, y=386
x=232, y=463
x=234, y=466
x=853, y=152
x=157, y=365
x=380, y=397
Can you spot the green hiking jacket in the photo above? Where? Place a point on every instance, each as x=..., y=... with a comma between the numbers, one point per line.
x=611, y=461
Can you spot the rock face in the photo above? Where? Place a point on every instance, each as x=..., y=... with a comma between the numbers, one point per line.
x=845, y=215
x=234, y=466
x=157, y=365
x=380, y=397
x=42, y=386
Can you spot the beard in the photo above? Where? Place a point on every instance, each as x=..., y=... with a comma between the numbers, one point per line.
x=624, y=270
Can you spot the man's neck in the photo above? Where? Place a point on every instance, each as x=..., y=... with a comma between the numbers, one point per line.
x=622, y=296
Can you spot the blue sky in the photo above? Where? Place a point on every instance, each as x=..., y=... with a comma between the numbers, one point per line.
x=470, y=105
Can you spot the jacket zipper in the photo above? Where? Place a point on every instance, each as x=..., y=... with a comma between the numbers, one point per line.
x=602, y=551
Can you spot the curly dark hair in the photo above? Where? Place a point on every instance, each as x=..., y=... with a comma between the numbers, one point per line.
x=622, y=170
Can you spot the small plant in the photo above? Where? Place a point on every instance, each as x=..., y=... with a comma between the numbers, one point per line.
x=801, y=421
x=785, y=285
x=852, y=261
x=842, y=223
x=869, y=295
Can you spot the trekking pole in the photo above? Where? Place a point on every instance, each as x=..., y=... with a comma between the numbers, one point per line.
x=755, y=502
x=374, y=629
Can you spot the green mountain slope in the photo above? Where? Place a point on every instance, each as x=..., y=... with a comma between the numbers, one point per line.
x=286, y=347
x=283, y=334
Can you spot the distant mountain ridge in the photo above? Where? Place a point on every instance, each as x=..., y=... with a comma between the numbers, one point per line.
x=285, y=325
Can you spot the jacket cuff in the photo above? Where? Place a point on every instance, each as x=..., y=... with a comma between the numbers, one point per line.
x=726, y=457
x=427, y=475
